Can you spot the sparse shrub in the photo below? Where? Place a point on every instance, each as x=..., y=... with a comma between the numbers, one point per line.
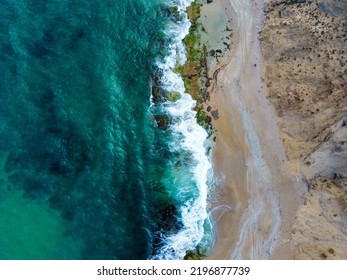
x=323, y=256
x=331, y=251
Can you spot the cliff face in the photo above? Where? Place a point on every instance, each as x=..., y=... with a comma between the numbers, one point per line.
x=305, y=58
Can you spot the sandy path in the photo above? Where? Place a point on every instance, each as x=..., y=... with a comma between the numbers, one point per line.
x=258, y=198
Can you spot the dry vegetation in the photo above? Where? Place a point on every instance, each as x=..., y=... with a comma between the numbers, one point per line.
x=305, y=57
x=306, y=64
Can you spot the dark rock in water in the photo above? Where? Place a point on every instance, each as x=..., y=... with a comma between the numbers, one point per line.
x=166, y=217
x=212, y=52
x=156, y=96
x=209, y=108
x=174, y=12
x=160, y=95
x=169, y=220
x=209, y=1
x=162, y=121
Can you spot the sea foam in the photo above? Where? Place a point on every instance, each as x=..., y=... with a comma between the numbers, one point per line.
x=189, y=138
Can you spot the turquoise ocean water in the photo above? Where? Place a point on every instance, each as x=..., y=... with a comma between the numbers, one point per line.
x=87, y=168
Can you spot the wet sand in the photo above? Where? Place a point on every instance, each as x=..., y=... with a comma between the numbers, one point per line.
x=256, y=199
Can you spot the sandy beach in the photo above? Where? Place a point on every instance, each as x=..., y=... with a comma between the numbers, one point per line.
x=277, y=96
x=257, y=198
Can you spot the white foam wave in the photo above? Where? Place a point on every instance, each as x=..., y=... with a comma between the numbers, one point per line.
x=191, y=138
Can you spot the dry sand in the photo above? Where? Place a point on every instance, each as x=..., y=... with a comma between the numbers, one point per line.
x=257, y=199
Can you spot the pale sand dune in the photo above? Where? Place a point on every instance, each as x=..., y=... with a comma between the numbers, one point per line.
x=257, y=199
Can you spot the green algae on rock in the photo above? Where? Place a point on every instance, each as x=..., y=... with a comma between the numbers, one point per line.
x=195, y=71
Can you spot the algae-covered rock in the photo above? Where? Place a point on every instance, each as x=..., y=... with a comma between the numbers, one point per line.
x=174, y=11
x=173, y=96
x=193, y=12
x=195, y=255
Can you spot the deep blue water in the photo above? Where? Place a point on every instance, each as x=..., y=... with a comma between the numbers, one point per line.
x=85, y=172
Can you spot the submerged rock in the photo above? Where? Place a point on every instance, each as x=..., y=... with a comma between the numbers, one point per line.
x=162, y=121
x=167, y=221
x=156, y=95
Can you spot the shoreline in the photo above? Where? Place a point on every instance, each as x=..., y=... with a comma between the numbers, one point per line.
x=175, y=110
x=256, y=199
x=271, y=186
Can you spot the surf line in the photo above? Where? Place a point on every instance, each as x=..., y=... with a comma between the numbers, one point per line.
x=189, y=138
